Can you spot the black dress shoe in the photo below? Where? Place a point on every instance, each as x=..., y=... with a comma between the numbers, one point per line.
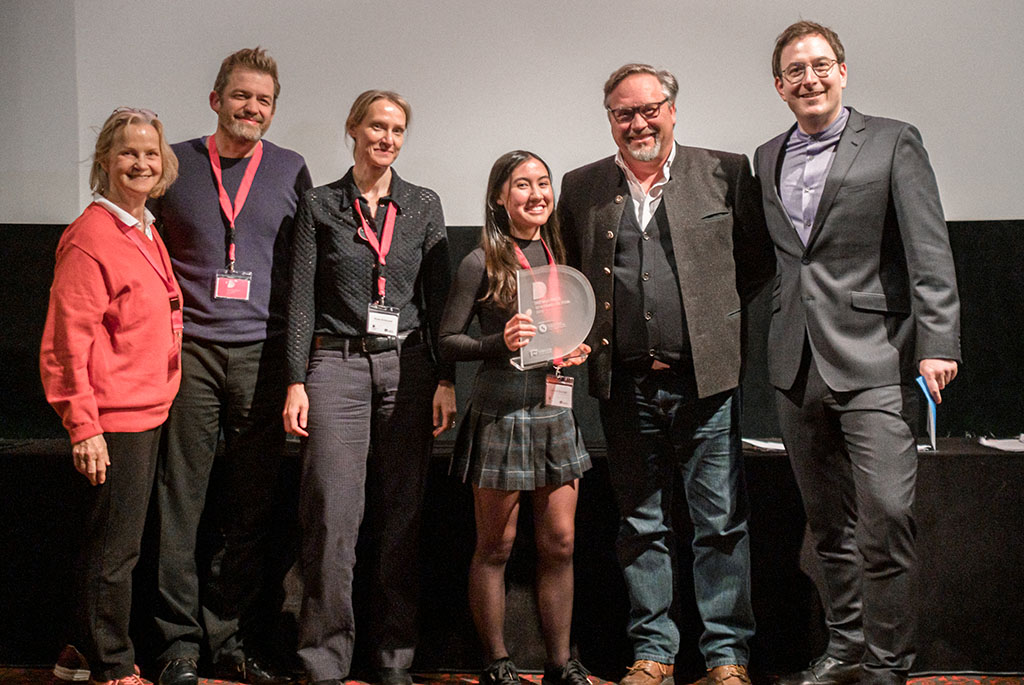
x=181, y=671
x=251, y=671
x=825, y=670
x=388, y=675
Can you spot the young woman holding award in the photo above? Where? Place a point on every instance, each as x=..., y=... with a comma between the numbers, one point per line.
x=517, y=436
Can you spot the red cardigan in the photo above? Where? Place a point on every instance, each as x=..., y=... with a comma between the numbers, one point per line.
x=110, y=360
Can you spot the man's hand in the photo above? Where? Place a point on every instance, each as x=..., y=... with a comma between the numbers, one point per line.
x=937, y=373
x=444, y=407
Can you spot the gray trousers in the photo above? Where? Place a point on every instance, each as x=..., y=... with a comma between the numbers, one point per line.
x=370, y=422
x=855, y=462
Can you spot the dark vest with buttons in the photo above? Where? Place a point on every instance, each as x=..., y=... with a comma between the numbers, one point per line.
x=650, y=322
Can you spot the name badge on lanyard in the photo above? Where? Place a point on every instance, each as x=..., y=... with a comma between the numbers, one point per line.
x=381, y=319
x=229, y=284
x=558, y=391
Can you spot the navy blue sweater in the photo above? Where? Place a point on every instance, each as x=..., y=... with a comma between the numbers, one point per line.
x=195, y=229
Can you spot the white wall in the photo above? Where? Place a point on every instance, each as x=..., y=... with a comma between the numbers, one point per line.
x=484, y=77
x=38, y=112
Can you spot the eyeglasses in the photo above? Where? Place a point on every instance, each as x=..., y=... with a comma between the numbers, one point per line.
x=624, y=115
x=135, y=110
x=795, y=72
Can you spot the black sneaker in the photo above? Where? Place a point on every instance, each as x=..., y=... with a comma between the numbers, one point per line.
x=572, y=673
x=500, y=672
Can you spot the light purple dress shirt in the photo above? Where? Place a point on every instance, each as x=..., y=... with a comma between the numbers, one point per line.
x=808, y=158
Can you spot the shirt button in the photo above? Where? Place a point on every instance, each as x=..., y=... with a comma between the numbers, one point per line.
x=648, y=315
x=607, y=271
x=646, y=276
x=609, y=235
x=604, y=342
x=607, y=305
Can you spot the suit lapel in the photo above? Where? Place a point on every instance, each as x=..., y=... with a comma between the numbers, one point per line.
x=684, y=198
x=775, y=151
x=847, y=149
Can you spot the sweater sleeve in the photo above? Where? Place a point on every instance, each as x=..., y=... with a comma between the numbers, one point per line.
x=301, y=296
x=463, y=303
x=436, y=280
x=78, y=300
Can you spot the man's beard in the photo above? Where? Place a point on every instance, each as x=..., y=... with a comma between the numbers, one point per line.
x=237, y=129
x=647, y=154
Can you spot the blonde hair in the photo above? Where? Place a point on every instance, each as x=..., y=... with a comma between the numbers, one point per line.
x=362, y=105
x=112, y=128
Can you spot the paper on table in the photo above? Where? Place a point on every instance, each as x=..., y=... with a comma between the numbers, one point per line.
x=767, y=445
x=1007, y=445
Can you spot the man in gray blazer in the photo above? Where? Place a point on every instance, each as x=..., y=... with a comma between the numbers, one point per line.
x=673, y=241
x=865, y=300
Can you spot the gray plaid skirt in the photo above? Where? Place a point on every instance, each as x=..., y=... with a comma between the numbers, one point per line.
x=510, y=440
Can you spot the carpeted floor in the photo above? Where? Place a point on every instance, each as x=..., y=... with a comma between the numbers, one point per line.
x=43, y=676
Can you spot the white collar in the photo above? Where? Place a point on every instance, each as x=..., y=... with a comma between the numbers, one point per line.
x=125, y=217
x=666, y=170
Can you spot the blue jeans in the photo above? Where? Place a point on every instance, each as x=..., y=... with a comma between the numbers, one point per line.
x=657, y=429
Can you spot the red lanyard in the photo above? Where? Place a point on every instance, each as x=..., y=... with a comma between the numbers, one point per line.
x=177, y=322
x=232, y=211
x=382, y=247
x=526, y=264
x=554, y=291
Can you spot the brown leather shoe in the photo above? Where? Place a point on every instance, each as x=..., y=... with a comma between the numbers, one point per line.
x=647, y=672
x=729, y=674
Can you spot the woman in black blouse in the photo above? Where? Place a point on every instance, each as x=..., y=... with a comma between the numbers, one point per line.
x=511, y=441
x=369, y=277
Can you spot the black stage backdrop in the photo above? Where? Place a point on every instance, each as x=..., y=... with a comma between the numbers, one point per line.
x=986, y=398
x=969, y=509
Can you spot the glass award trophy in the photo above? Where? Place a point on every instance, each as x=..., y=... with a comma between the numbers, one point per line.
x=561, y=302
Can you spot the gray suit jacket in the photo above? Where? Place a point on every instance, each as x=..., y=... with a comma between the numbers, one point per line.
x=874, y=289
x=722, y=251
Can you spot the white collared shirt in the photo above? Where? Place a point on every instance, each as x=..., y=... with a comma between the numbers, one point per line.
x=646, y=204
x=126, y=217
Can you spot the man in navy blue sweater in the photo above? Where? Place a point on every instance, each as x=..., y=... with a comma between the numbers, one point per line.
x=227, y=224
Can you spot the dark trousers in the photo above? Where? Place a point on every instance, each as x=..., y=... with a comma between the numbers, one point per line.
x=370, y=421
x=660, y=433
x=855, y=462
x=237, y=389
x=114, y=518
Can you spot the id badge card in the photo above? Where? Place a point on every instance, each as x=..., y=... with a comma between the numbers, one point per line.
x=558, y=391
x=231, y=285
x=381, y=319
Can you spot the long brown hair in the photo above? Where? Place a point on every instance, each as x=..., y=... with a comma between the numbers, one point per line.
x=496, y=238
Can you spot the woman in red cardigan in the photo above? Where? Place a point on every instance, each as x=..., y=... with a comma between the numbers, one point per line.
x=110, y=366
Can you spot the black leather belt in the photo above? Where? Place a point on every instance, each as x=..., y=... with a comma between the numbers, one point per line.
x=367, y=343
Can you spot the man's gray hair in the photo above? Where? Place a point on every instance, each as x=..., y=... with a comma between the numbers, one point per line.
x=669, y=84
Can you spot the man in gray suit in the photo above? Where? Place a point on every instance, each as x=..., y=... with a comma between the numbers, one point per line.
x=865, y=299
x=673, y=241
